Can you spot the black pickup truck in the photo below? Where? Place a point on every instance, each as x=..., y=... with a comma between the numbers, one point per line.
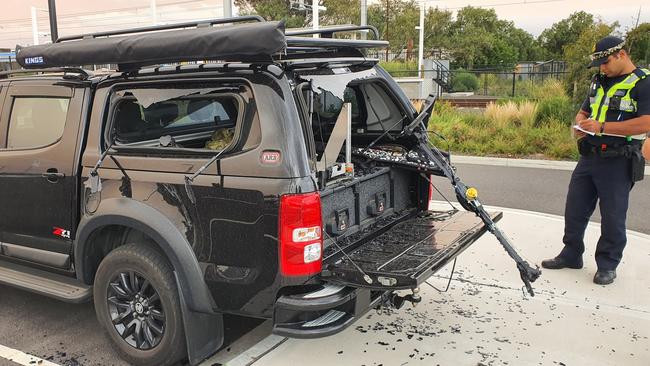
x=235, y=169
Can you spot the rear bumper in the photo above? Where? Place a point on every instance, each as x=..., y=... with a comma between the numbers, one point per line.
x=346, y=296
x=322, y=313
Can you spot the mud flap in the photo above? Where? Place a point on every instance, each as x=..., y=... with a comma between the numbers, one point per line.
x=203, y=332
x=406, y=254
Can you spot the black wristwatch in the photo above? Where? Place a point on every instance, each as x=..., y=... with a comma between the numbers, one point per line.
x=602, y=128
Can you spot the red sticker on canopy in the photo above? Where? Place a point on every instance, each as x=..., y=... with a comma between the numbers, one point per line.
x=270, y=157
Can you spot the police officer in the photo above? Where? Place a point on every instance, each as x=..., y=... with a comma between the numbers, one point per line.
x=617, y=112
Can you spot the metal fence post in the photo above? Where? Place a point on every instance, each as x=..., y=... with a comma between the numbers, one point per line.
x=485, y=82
x=514, y=74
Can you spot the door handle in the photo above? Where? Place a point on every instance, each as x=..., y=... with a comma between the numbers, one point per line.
x=52, y=175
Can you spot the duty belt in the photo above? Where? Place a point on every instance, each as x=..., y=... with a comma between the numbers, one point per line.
x=629, y=150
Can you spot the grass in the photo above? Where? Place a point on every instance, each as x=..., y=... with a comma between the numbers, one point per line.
x=511, y=128
x=400, y=68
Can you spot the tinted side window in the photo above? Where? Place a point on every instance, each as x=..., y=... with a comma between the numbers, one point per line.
x=36, y=121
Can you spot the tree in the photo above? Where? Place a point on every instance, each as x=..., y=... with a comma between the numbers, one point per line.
x=565, y=32
x=577, y=54
x=437, y=28
x=479, y=37
x=276, y=10
x=396, y=21
x=638, y=39
x=341, y=12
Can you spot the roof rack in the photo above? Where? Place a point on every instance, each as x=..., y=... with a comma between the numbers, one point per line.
x=256, y=41
x=197, y=24
x=333, y=43
x=82, y=74
x=328, y=32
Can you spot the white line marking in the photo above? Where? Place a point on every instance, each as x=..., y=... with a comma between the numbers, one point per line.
x=23, y=358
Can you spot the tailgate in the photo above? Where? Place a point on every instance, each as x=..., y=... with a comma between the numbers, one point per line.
x=407, y=253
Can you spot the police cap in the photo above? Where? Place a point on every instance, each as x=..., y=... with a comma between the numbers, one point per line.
x=605, y=48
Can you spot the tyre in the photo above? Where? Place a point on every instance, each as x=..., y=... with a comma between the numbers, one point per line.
x=137, y=304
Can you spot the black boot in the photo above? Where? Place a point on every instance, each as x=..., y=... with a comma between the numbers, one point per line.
x=560, y=262
x=604, y=277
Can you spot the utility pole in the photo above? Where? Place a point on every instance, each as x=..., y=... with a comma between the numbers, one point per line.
x=315, y=8
x=34, y=26
x=386, y=30
x=638, y=16
x=54, y=29
x=154, y=13
x=314, y=15
x=364, y=16
x=421, y=42
x=227, y=8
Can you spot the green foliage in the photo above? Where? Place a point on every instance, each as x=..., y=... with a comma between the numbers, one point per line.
x=638, y=40
x=274, y=10
x=577, y=56
x=395, y=20
x=437, y=28
x=565, y=32
x=400, y=68
x=555, y=108
x=464, y=82
x=513, y=128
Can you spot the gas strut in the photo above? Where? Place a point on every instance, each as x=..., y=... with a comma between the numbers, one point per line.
x=467, y=196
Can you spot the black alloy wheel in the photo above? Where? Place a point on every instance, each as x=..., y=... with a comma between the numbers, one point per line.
x=137, y=303
x=136, y=310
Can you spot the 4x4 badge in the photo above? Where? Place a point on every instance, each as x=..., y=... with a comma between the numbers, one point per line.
x=61, y=232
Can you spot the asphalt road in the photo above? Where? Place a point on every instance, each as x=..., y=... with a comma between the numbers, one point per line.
x=70, y=335
x=539, y=190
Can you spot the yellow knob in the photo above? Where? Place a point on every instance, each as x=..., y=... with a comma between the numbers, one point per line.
x=471, y=193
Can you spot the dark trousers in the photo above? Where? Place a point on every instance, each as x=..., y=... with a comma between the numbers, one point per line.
x=607, y=179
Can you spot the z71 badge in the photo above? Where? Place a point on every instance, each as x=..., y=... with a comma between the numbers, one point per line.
x=61, y=232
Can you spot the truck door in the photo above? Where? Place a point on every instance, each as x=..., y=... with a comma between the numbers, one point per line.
x=39, y=129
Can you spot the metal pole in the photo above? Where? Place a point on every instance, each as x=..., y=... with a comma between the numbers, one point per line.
x=314, y=15
x=421, y=42
x=485, y=86
x=154, y=13
x=227, y=8
x=514, y=74
x=364, y=16
x=34, y=26
x=54, y=29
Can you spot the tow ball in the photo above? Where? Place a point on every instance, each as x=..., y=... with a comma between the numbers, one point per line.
x=396, y=301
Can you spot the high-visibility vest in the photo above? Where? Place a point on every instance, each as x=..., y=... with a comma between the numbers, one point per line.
x=617, y=99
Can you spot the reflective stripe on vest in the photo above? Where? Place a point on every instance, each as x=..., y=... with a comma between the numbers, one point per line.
x=600, y=103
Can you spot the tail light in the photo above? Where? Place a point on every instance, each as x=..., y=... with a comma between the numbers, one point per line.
x=300, y=234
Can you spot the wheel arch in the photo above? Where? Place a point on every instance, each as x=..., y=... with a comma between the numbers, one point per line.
x=131, y=214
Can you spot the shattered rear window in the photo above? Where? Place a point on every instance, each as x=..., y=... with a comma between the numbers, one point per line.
x=176, y=117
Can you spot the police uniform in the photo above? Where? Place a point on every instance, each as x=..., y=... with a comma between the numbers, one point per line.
x=607, y=169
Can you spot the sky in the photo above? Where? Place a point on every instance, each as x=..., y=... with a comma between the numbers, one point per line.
x=83, y=16
x=536, y=15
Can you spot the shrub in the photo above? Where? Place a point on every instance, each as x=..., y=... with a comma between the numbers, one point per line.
x=510, y=113
x=527, y=113
x=558, y=108
x=548, y=88
x=464, y=82
x=400, y=68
